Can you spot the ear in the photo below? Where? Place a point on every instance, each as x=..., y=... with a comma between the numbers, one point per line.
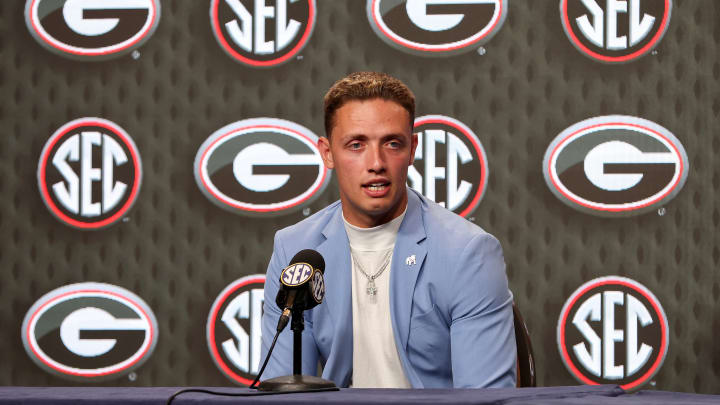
x=326, y=152
x=413, y=146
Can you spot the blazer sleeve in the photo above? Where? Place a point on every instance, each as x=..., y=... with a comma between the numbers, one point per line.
x=281, y=361
x=482, y=335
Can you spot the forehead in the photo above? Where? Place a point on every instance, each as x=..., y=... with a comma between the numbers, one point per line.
x=374, y=117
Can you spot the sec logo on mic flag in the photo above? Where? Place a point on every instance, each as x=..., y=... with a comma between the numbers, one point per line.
x=615, y=165
x=296, y=274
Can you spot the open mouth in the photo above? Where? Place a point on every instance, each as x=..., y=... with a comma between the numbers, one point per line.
x=376, y=186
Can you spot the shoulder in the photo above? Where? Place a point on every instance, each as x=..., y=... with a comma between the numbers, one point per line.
x=449, y=229
x=465, y=260
x=310, y=228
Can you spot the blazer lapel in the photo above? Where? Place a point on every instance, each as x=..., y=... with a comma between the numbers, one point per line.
x=407, y=262
x=338, y=297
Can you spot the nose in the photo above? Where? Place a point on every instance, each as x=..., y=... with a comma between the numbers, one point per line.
x=375, y=159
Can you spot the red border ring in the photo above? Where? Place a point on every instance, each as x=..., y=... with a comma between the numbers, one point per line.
x=42, y=165
x=219, y=301
x=215, y=24
x=629, y=283
x=441, y=119
x=665, y=23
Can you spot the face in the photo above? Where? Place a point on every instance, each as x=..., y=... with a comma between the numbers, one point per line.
x=371, y=147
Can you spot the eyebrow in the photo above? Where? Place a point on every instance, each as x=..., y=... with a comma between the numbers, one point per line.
x=361, y=136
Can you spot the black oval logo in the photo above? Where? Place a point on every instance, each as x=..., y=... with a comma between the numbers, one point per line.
x=450, y=165
x=436, y=27
x=261, y=166
x=318, y=287
x=89, y=331
x=260, y=34
x=234, y=333
x=615, y=166
x=89, y=173
x=615, y=32
x=612, y=330
x=92, y=29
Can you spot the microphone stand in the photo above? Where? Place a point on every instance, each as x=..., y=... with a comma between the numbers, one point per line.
x=297, y=381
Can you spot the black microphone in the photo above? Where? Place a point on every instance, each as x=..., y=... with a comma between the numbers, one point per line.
x=302, y=286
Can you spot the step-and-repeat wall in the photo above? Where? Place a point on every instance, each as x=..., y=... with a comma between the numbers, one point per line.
x=151, y=149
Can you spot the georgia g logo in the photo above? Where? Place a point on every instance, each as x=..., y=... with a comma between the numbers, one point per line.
x=92, y=29
x=261, y=166
x=89, y=331
x=260, y=33
x=450, y=164
x=89, y=173
x=615, y=31
x=436, y=27
x=234, y=333
x=612, y=330
x=615, y=165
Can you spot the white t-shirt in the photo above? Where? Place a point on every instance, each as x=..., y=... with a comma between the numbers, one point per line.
x=376, y=363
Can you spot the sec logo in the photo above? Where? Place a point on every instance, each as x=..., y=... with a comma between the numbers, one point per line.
x=318, y=287
x=89, y=173
x=261, y=166
x=89, y=331
x=450, y=165
x=613, y=330
x=262, y=33
x=296, y=274
x=615, y=165
x=615, y=31
x=92, y=29
x=234, y=332
x=436, y=27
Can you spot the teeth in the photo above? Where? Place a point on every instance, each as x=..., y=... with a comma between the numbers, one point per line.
x=376, y=187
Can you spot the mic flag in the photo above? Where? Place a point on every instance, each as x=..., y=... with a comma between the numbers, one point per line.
x=301, y=283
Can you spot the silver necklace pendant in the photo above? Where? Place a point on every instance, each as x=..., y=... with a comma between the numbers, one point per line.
x=371, y=290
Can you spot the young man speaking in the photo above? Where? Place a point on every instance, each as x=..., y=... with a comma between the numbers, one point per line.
x=416, y=296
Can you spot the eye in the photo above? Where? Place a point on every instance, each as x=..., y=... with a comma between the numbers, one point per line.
x=395, y=144
x=354, y=145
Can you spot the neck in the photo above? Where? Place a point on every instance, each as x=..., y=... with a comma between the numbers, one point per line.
x=368, y=220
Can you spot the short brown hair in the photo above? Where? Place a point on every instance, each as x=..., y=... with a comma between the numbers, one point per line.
x=366, y=86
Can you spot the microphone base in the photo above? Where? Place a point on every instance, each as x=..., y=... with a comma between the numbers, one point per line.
x=297, y=383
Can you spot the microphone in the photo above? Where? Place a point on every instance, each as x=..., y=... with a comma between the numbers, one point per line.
x=302, y=285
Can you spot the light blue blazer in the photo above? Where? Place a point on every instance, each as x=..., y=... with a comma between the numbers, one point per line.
x=451, y=309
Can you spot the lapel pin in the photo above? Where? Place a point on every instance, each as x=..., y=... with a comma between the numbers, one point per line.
x=410, y=260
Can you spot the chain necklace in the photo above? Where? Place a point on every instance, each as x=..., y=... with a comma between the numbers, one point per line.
x=371, y=290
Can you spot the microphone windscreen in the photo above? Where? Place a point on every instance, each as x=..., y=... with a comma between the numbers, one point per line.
x=310, y=257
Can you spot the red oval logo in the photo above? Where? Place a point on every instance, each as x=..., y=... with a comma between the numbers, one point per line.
x=92, y=30
x=450, y=164
x=89, y=173
x=234, y=333
x=261, y=166
x=615, y=166
x=89, y=331
x=613, y=330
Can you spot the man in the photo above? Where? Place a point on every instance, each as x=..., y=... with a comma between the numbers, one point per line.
x=416, y=296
